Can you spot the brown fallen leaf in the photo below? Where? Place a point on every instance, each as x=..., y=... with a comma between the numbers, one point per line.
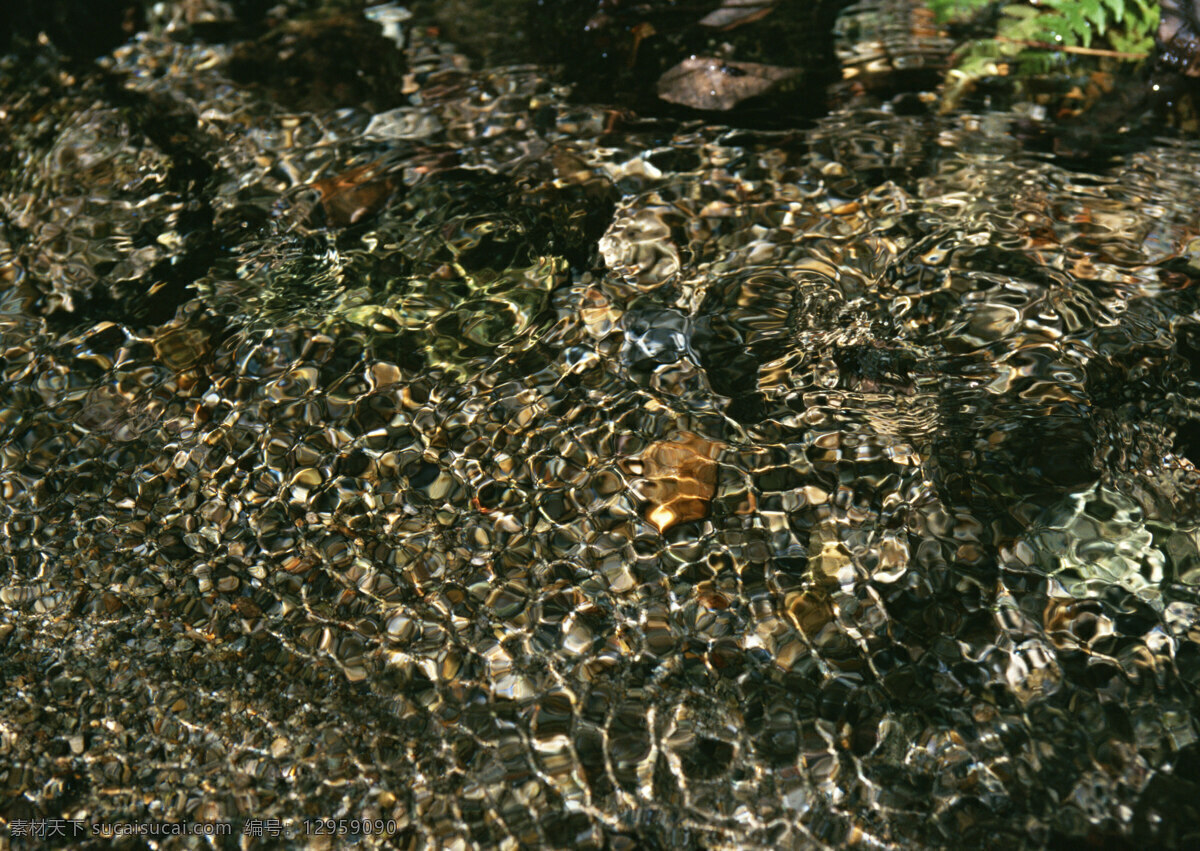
x=719, y=84
x=734, y=13
x=350, y=197
x=681, y=479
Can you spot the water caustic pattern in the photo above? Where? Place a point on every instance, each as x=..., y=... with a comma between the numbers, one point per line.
x=536, y=477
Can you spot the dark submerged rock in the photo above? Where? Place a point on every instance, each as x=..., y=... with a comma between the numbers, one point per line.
x=323, y=63
x=617, y=52
x=1178, y=36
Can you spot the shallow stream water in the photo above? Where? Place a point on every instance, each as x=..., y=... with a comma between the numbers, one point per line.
x=529, y=471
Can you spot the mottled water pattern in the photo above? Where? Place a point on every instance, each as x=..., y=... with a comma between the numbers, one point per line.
x=537, y=478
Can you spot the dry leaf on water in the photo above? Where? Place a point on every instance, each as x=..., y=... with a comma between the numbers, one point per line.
x=734, y=13
x=681, y=479
x=718, y=84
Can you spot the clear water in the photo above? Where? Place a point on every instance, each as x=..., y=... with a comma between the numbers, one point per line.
x=530, y=472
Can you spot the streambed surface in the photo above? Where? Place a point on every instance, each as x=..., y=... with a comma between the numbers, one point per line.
x=441, y=445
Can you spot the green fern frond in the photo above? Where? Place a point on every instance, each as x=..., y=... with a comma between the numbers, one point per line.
x=1117, y=10
x=1037, y=36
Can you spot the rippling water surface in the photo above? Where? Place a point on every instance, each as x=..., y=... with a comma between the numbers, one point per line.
x=537, y=474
